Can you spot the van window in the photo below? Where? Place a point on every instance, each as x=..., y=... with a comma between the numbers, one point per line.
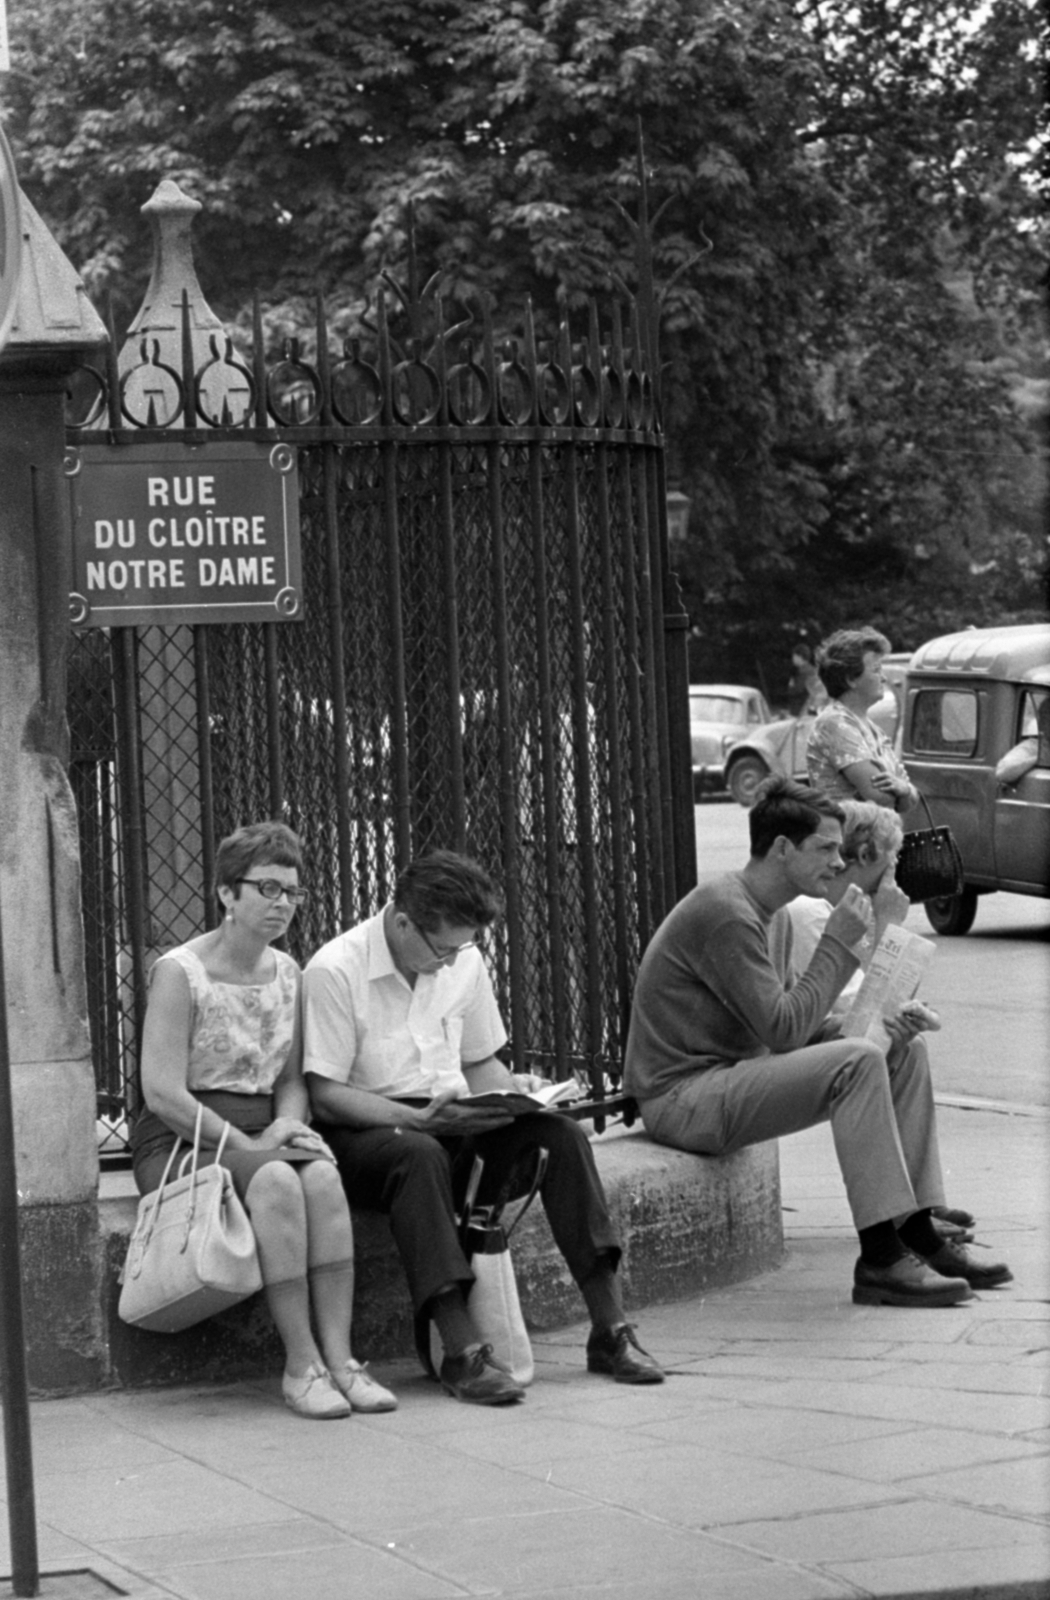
x=945, y=722
x=1035, y=723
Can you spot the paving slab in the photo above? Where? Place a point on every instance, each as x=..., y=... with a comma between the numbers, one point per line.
x=803, y=1448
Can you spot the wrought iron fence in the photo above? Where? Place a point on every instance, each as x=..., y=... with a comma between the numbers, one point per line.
x=483, y=663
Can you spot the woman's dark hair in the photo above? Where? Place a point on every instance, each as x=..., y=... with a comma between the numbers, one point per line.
x=840, y=659
x=786, y=809
x=270, y=843
x=444, y=886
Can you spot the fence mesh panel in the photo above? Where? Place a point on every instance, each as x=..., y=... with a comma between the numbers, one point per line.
x=472, y=669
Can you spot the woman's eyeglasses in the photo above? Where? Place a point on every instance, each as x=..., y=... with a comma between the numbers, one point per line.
x=273, y=889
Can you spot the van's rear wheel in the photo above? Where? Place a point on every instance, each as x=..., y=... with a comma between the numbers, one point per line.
x=744, y=778
x=954, y=914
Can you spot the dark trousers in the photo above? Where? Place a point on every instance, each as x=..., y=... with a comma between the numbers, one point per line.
x=419, y=1181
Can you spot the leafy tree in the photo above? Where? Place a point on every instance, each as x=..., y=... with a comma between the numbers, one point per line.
x=845, y=238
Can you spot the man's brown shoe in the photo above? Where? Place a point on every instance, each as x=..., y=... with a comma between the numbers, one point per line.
x=953, y=1260
x=908, y=1282
x=617, y=1353
x=477, y=1377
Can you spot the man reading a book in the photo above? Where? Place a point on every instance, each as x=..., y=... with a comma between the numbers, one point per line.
x=400, y=1025
x=726, y=1049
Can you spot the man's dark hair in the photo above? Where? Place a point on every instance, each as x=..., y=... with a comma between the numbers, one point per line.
x=840, y=659
x=786, y=809
x=444, y=886
x=260, y=844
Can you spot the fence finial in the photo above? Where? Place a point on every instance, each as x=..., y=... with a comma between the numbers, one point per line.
x=171, y=213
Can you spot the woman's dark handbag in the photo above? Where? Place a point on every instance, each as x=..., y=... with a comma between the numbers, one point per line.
x=929, y=866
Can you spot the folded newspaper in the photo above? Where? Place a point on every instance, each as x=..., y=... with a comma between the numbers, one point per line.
x=517, y=1101
x=898, y=966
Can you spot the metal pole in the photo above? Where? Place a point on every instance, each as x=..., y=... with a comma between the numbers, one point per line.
x=14, y=1390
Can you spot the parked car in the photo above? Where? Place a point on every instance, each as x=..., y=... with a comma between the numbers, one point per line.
x=719, y=714
x=971, y=697
x=780, y=746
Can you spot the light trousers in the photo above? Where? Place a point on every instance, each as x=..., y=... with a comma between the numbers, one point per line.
x=880, y=1108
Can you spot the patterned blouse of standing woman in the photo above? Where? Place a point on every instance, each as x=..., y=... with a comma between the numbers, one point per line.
x=223, y=1029
x=848, y=757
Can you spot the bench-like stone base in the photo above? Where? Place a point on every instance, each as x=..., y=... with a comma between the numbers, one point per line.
x=687, y=1223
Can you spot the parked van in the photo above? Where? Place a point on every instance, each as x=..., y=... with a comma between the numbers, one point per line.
x=971, y=697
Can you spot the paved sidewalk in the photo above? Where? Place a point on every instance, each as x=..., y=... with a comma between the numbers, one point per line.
x=803, y=1448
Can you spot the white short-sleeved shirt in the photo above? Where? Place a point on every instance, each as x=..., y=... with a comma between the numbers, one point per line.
x=366, y=1026
x=809, y=917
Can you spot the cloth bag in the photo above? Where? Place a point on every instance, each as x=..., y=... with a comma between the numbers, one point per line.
x=929, y=866
x=493, y=1302
x=192, y=1251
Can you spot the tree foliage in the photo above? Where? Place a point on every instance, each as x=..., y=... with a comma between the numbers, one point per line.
x=846, y=238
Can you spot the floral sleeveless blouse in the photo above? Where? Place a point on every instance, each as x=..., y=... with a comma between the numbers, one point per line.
x=240, y=1034
x=839, y=739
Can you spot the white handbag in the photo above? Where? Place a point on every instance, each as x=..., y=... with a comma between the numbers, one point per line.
x=192, y=1251
x=493, y=1302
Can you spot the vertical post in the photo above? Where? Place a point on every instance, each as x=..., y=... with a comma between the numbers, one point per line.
x=14, y=1389
x=398, y=710
x=676, y=670
x=508, y=789
x=538, y=548
x=48, y=1070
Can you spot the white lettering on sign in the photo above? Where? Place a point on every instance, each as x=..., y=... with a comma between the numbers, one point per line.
x=135, y=575
x=106, y=533
x=181, y=491
x=246, y=569
x=194, y=532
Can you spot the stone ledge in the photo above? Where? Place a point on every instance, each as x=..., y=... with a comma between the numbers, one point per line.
x=688, y=1223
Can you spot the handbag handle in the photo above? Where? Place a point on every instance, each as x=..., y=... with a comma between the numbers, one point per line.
x=148, y=1230
x=196, y=1145
x=496, y=1210
x=194, y=1154
x=542, y=1157
x=925, y=806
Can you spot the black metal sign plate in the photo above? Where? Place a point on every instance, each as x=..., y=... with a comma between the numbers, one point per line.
x=176, y=533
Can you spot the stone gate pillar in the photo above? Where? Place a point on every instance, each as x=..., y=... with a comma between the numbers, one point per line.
x=52, y=1079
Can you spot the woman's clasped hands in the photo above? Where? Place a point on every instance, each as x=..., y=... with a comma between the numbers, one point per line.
x=286, y=1132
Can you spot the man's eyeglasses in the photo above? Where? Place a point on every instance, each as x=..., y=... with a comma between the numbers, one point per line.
x=273, y=889
x=453, y=950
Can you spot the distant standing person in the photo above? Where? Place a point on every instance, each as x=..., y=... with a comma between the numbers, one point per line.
x=806, y=682
x=848, y=757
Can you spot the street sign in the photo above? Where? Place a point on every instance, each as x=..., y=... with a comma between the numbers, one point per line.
x=175, y=533
x=10, y=239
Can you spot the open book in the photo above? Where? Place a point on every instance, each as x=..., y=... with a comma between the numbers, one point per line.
x=517, y=1101
x=899, y=964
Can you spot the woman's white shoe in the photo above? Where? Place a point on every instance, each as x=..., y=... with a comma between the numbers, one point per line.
x=314, y=1395
x=361, y=1389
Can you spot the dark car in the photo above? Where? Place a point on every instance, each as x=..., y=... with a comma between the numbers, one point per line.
x=972, y=697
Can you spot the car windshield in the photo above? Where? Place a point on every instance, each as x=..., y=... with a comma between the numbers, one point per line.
x=715, y=708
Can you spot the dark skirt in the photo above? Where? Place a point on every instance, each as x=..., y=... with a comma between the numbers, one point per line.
x=152, y=1139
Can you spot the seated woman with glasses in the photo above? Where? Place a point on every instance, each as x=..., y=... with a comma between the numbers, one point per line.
x=223, y=1030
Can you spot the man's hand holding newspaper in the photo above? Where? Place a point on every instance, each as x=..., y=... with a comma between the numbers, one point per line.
x=885, y=1009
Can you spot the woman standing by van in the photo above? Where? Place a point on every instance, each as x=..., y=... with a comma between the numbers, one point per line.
x=848, y=757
